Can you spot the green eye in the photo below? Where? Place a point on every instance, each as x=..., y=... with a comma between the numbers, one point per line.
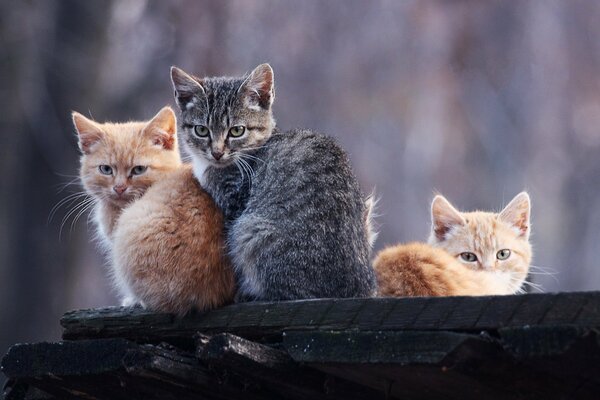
x=503, y=254
x=237, y=131
x=138, y=170
x=105, y=169
x=201, y=131
x=468, y=257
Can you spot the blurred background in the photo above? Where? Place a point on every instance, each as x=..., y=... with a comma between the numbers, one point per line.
x=476, y=100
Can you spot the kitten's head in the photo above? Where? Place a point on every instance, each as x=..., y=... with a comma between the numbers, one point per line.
x=221, y=118
x=484, y=241
x=120, y=161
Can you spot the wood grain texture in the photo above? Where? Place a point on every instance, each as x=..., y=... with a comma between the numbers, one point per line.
x=255, y=320
x=537, y=346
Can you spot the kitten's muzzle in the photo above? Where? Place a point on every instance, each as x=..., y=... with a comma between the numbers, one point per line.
x=120, y=189
x=217, y=154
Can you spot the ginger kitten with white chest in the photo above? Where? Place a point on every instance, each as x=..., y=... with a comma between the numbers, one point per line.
x=120, y=161
x=469, y=254
x=163, y=232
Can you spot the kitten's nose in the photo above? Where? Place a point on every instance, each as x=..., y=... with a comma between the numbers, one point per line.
x=120, y=189
x=216, y=154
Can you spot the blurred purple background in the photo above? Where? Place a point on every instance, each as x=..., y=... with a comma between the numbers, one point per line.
x=476, y=100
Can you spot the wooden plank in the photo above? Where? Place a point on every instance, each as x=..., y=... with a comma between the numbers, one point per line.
x=119, y=369
x=565, y=309
x=435, y=312
x=466, y=312
x=275, y=370
x=258, y=320
x=589, y=314
x=408, y=347
x=538, y=341
x=405, y=313
x=533, y=310
x=373, y=313
x=342, y=314
x=499, y=312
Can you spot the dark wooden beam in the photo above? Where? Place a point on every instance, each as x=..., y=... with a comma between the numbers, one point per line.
x=119, y=369
x=527, y=362
x=263, y=320
x=276, y=370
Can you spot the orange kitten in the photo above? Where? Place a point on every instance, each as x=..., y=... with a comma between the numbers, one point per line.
x=469, y=254
x=169, y=248
x=121, y=160
x=163, y=232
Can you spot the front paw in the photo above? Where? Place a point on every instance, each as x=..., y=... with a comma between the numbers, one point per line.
x=132, y=302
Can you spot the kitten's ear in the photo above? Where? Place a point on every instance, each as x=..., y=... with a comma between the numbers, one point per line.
x=444, y=217
x=88, y=132
x=162, y=129
x=258, y=91
x=187, y=88
x=517, y=214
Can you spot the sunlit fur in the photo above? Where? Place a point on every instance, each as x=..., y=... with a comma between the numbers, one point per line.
x=164, y=234
x=437, y=268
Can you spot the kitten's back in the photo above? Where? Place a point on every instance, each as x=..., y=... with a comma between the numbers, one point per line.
x=169, y=248
x=303, y=232
x=418, y=269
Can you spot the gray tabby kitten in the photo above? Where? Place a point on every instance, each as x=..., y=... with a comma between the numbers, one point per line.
x=295, y=216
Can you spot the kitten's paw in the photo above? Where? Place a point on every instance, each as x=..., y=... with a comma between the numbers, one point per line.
x=132, y=302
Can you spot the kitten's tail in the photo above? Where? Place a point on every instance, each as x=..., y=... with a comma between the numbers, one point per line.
x=370, y=215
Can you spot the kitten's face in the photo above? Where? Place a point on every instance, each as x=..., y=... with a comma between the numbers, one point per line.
x=487, y=242
x=120, y=161
x=221, y=118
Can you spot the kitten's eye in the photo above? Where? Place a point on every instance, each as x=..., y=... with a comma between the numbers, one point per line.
x=201, y=131
x=237, y=131
x=105, y=169
x=503, y=254
x=468, y=257
x=138, y=169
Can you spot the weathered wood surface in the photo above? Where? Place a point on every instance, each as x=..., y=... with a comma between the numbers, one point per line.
x=544, y=346
x=258, y=320
x=224, y=367
x=275, y=369
x=541, y=362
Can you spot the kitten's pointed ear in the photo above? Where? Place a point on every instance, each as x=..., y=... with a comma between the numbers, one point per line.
x=162, y=129
x=187, y=88
x=517, y=214
x=444, y=217
x=88, y=132
x=258, y=91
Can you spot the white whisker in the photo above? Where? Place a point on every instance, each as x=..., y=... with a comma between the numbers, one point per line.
x=68, y=199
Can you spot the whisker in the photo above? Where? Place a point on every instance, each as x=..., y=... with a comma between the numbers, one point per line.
x=62, y=186
x=236, y=162
x=72, y=212
x=80, y=213
x=534, y=286
x=544, y=269
x=244, y=166
x=252, y=157
x=70, y=198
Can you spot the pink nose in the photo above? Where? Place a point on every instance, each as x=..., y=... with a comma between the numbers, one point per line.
x=217, y=154
x=120, y=189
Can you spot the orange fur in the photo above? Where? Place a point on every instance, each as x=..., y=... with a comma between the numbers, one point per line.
x=169, y=248
x=163, y=232
x=438, y=269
